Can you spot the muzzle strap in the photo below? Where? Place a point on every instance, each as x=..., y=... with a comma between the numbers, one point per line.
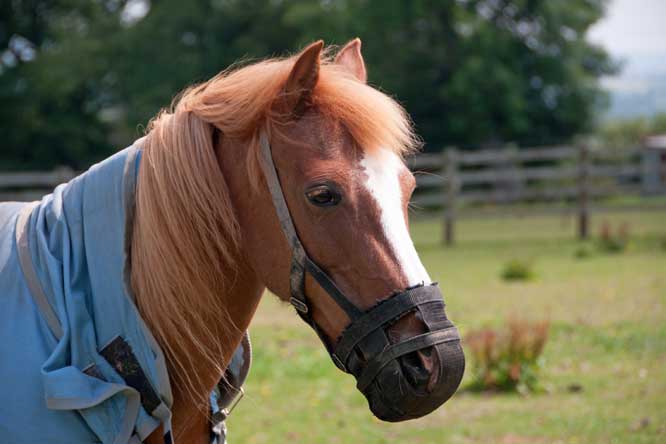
x=383, y=313
x=394, y=351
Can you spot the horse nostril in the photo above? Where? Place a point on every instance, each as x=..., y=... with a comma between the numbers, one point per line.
x=418, y=369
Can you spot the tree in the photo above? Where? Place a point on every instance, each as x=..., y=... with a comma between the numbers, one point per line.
x=51, y=81
x=79, y=78
x=487, y=72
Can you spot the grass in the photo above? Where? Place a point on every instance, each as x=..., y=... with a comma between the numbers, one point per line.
x=604, y=363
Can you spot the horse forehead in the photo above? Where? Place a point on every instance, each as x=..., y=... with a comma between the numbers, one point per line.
x=383, y=181
x=323, y=138
x=385, y=174
x=380, y=181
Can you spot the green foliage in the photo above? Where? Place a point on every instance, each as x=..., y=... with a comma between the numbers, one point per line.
x=508, y=358
x=52, y=82
x=518, y=270
x=472, y=72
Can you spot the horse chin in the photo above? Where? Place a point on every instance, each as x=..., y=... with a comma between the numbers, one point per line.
x=392, y=398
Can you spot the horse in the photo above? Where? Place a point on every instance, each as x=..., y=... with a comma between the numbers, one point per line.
x=286, y=174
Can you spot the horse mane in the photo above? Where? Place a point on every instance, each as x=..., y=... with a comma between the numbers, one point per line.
x=186, y=235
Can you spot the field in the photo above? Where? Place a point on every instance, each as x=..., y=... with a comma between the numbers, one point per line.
x=605, y=362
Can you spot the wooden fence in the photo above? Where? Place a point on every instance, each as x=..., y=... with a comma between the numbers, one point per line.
x=456, y=180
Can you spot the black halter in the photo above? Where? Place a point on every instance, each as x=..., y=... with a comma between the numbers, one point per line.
x=363, y=349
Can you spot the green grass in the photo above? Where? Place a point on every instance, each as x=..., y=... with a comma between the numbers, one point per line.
x=608, y=336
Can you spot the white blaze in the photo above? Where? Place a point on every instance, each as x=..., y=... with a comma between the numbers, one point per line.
x=383, y=169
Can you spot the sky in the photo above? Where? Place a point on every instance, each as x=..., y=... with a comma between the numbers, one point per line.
x=634, y=31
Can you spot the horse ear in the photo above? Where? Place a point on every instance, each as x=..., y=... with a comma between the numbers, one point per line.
x=350, y=57
x=302, y=79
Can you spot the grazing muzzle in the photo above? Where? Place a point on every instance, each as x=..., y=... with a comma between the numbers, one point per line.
x=388, y=374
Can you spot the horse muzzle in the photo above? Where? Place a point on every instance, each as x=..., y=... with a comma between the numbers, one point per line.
x=394, y=396
x=409, y=378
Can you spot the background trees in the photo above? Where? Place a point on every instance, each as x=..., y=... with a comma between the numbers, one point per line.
x=79, y=78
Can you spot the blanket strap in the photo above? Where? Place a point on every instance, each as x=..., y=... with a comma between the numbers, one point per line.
x=25, y=259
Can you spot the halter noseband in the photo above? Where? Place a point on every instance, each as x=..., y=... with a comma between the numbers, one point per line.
x=364, y=334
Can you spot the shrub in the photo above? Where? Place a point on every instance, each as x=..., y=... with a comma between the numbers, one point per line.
x=583, y=252
x=610, y=241
x=517, y=270
x=510, y=358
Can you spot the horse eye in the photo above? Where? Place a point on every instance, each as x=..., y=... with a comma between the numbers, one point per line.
x=323, y=196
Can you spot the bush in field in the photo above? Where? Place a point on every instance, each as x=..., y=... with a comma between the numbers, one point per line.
x=613, y=241
x=508, y=359
x=583, y=252
x=517, y=270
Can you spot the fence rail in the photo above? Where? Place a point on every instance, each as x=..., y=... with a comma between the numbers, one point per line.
x=32, y=185
x=35, y=179
x=456, y=180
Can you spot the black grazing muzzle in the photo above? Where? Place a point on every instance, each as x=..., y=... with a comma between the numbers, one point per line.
x=364, y=349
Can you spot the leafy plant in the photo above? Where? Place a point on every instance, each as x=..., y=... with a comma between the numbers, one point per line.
x=518, y=270
x=509, y=358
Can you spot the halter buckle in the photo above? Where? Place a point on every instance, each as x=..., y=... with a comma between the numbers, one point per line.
x=299, y=305
x=241, y=393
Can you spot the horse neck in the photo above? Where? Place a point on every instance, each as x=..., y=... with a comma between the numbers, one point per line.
x=190, y=422
x=238, y=292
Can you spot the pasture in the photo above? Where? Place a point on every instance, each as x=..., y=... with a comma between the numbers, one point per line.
x=604, y=378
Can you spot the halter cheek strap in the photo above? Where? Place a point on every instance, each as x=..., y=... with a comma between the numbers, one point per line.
x=300, y=261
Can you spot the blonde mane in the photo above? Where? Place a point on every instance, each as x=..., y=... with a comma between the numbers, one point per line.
x=186, y=235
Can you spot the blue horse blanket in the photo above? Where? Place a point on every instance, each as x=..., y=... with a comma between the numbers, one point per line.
x=77, y=363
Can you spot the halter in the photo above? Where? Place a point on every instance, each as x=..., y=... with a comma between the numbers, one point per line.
x=363, y=349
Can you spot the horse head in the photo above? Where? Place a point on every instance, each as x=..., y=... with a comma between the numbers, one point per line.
x=323, y=217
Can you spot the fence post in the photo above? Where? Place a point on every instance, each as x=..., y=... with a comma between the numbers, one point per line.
x=515, y=180
x=583, y=191
x=452, y=185
x=653, y=166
